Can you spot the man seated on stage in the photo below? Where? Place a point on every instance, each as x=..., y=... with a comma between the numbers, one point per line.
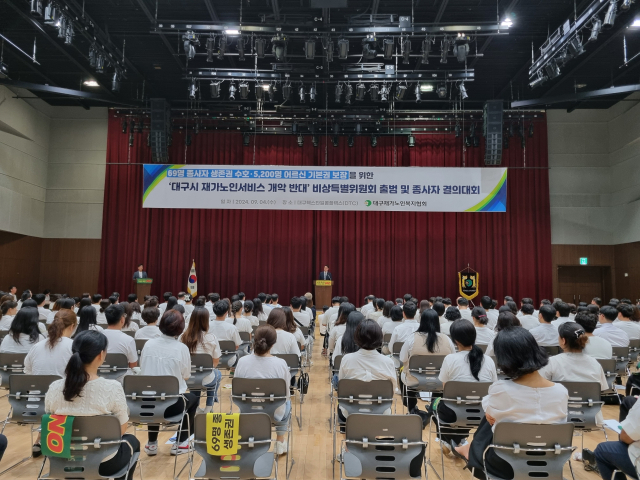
x=325, y=274
x=140, y=273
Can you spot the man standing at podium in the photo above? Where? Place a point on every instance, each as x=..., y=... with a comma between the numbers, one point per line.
x=140, y=273
x=325, y=274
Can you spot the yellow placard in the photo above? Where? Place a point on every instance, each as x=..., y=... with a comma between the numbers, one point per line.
x=323, y=283
x=222, y=433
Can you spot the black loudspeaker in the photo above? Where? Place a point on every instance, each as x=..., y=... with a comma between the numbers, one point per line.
x=493, y=128
x=160, y=130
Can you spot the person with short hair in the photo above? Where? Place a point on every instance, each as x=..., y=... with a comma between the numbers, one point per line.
x=528, y=319
x=596, y=347
x=23, y=333
x=597, y=301
x=262, y=364
x=61, y=303
x=296, y=306
x=450, y=315
x=386, y=314
x=369, y=305
x=610, y=332
x=163, y=306
x=563, y=312
x=150, y=315
x=83, y=393
x=132, y=297
x=463, y=306
x=41, y=300
x=224, y=330
x=407, y=328
x=438, y=307
x=625, y=323
x=546, y=334
x=119, y=342
x=376, y=313
x=492, y=314
x=95, y=301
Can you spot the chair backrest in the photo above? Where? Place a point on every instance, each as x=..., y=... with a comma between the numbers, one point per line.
x=292, y=359
x=93, y=440
x=3, y=333
x=131, y=333
x=304, y=330
x=140, y=345
x=584, y=404
x=552, y=350
x=386, y=338
x=357, y=396
x=136, y=321
x=397, y=347
x=228, y=349
x=10, y=364
x=634, y=350
x=259, y=395
x=465, y=399
x=26, y=396
x=255, y=460
x=382, y=446
x=621, y=356
x=483, y=347
x=426, y=368
x=245, y=337
x=201, y=367
x=254, y=328
x=609, y=367
x=115, y=366
x=148, y=396
x=337, y=361
x=534, y=450
x=620, y=352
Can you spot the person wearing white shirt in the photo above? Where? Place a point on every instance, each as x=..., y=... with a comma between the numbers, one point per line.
x=101, y=318
x=129, y=325
x=51, y=357
x=386, y=313
x=258, y=311
x=150, y=315
x=596, y=347
x=165, y=355
x=346, y=343
x=163, y=306
x=528, y=319
x=87, y=320
x=492, y=314
x=377, y=312
x=527, y=398
x=286, y=342
x=326, y=316
x=85, y=394
x=236, y=319
x=463, y=307
x=451, y=315
x=506, y=319
x=484, y=335
x=24, y=332
x=223, y=330
x=397, y=318
x=199, y=339
x=369, y=305
x=296, y=305
x=119, y=342
x=41, y=299
x=338, y=329
x=624, y=322
x=188, y=307
x=61, y=303
x=563, y=310
x=8, y=309
x=546, y=334
x=262, y=364
x=610, y=332
x=95, y=301
x=247, y=312
x=406, y=330
x=181, y=300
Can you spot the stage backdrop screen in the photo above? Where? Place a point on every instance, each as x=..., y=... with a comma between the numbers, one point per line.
x=419, y=189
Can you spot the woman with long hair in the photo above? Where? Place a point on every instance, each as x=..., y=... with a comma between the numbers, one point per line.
x=337, y=330
x=286, y=340
x=8, y=311
x=199, y=339
x=451, y=315
x=129, y=326
x=258, y=312
x=23, y=333
x=386, y=313
x=347, y=343
x=88, y=320
x=506, y=320
x=85, y=394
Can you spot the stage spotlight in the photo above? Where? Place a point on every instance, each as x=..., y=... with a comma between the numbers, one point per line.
x=360, y=91
x=300, y=140
x=334, y=140
x=463, y=92
x=310, y=49
x=348, y=93
x=406, y=51
x=62, y=26
x=626, y=4
x=244, y=90
x=312, y=92
x=343, y=48
x=260, y=47
x=374, y=141
x=417, y=91
x=232, y=91
x=552, y=69
x=457, y=130
x=373, y=91
x=92, y=56
x=211, y=44
x=286, y=91
x=51, y=13
x=279, y=47
x=388, y=47
x=259, y=92
x=100, y=63
x=446, y=44
x=189, y=49
x=411, y=141
x=193, y=88
x=531, y=130
x=246, y=139
x=115, y=82
x=214, y=88
x=468, y=141
x=400, y=91
x=350, y=140
x=222, y=47
x=301, y=93
x=575, y=47
x=596, y=26
x=36, y=8
x=271, y=91
x=442, y=91
x=426, y=87
x=610, y=16
x=68, y=34
x=385, y=91
x=538, y=81
x=329, y=51
x=241, y=48
x=314, y=140
x=462, y=47
x=369, y=51
x=358, y=128
x=426, y=50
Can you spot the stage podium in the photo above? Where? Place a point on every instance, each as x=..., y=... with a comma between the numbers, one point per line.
x=323, y=294
x=142, y=288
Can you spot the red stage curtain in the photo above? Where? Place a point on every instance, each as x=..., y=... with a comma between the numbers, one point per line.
x=382, y=253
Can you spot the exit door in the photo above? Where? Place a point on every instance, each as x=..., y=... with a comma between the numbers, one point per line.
x=581, y=284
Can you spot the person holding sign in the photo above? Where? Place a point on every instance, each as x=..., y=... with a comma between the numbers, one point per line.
x=261, y=364
x=84, y=394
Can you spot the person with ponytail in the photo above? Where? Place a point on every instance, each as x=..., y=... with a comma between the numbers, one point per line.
x=484, y=335
x=23, y=333
x=128, y=326
x=8, y=311
x=468, y=364
x=451, y=314
x=247, y=312
x=62, y=303
x=51, y=357
x=261, y=364
x=102, y=318
x=241, y=323
x=85, y=394
x=286, y=341
x=88, y=320
x=427, y=340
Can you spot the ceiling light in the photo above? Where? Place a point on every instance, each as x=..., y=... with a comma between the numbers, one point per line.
x=369, y=51
x=552, y=69
x=286, y=91
x=348, y=94
x=244, y=90
x=68, y=34
x=241, y=48
x=373, y=91
x=507, y=22
x=232, y=91
x=343, y=48
x=462, y=48
x=92, y=56
x=279, y=47
x=538, y=81
x=232, y=32
x=260, y=47
x=442, y=91
x=271, y=91
x=190, y=39
x=626, y=4
x=115, y=82
x=310, y=49
x=575, y=46
x=374, y=141
x=360, y=91
x=406, y=51
x=300, y=140
x=417, y=92
x=214, y=88
x=259, y=93
x=91, y=83
x=636, y=23
x=62, y=26
x=189, y=50
x=400, y=91
x=329, y=51
x=610, y=16
x=246, y=139
x=463, y=92
x=301, y=93
x=334, y=140
x=457, y=130
x=312, y=92
x=387, y=48
x=411, y=141
x=596, y=26
x=384, y=93
x=446, y=44
x=100, y=63
x=211, y=45
x=350, y=140
x=193, y=88
x=426, y=50
x=426, y=87
x=222, y=47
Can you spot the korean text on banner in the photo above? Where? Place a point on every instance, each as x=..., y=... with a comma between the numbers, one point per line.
x=222, y=433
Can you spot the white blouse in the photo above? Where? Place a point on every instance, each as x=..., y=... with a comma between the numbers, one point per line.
x=6, y=321
x=42, y=360
x=484, y=335
x=242, y=324
x=456, y=368
x=166, y=356
x=286, y=343
x=254, y=366
x=210, y=346
x=9, y=345
x=336, y=332
x=148, y=332
x=574, y=367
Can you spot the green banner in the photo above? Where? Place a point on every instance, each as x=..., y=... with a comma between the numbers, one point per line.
x=56, y=435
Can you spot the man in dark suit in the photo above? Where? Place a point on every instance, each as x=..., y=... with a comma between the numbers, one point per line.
x=140, y=273
x=325, y=274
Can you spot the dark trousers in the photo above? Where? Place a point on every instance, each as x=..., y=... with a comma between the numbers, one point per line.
x=3, y=445
x=176, y=409
x=446, y=415
x=626, y=405
x=121, y=459
x=612, y=456
x=495, y=465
